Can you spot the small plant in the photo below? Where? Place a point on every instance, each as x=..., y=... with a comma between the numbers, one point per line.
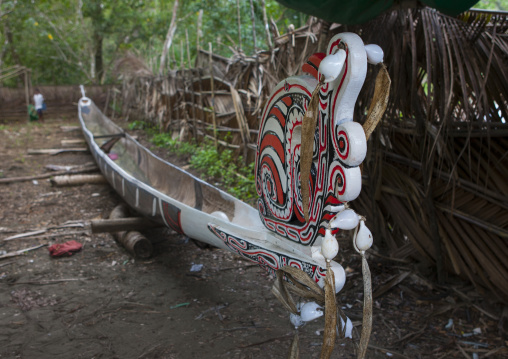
x=138, y=125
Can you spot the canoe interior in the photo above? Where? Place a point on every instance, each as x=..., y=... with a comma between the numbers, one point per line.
x=138, y=162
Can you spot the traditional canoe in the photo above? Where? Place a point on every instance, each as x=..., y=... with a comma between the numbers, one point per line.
x=175, y=198
x=306, y=131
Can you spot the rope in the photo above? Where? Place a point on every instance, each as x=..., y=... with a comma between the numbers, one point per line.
x=379, y=101
x=309, y=123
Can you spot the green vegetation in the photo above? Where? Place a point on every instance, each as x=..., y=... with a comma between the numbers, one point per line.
x=79, y=41
x=498, y=5
x=220, y=167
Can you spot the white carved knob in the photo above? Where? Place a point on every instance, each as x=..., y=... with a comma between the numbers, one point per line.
x=329, y=246
x=331, y=66
x=311, y=311
x=363, y=240
x=347, y=219
x=375, y=54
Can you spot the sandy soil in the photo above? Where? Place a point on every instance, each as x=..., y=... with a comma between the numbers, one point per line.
x=102, y=303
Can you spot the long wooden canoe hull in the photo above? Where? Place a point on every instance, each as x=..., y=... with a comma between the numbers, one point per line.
x=166, y=194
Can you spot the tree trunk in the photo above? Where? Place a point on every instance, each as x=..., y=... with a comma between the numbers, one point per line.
x=169, y=38
x=99, y=68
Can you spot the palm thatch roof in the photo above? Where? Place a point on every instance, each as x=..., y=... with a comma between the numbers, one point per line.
x=435, y=186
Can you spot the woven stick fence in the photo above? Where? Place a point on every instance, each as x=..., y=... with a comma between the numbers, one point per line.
x=435, y=178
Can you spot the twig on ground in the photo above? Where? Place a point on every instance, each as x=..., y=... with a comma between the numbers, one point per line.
x=395, y=354
x=61, y=234
x=27, y=234
x=238, y=267
x=284, y=337
x=54, y=281
x=412, y=335
x=7, y=263
x=21, y=251
x=83, y=169
x=463, y=352
x=216, y=309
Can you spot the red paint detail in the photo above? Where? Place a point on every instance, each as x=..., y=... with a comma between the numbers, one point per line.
x=270, y=140
x=312, y=65
x=331, y=200
x=341, y=192
x=321, y=231
x=269, y=162
x=287, y=100
x=323, y=105
x=172, y=215
x=316, y=58
x=280, y=116
x=281, y=89
x=346, y=139
x=309, y=69
x=296, y=211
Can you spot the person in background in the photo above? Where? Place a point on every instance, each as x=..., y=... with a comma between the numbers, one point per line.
x=39, y=104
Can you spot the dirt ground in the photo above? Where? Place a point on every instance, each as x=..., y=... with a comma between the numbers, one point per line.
x=103, y=303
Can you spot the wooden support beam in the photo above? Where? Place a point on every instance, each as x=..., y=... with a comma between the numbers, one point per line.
x=112, y=225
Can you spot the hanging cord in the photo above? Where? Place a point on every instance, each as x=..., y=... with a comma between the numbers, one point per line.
x=309, y=123
x=379, y=101
x=367, y=300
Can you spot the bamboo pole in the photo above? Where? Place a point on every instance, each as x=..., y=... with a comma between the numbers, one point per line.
x=73, y=180
x=253, y=18
x=267, y=28
x=213, y=96
x=117, y=224
x=239, y=25
x=188, y=49
x=83, y=169
x=27, y=95
x=182, y=64
x=169, y=38
x=193, y=100
x=198, y=35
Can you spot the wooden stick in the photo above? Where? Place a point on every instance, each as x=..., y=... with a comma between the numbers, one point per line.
x=47, y=175
x=188, y=49
x=71, y=143
x=121, y=224
x=182, y=63
x=239, y=25
x=169, y=38
x=253, y=18
x=21, y=251
x=200, y=20
x=72, y=180
x=54, y=281
x=71, y=233
x=27, y=234
x=213, y=96
x=55, y=151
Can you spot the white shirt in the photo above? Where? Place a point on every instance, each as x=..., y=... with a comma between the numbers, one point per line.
x=38, y=99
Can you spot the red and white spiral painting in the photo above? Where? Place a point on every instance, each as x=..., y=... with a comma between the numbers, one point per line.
x=269, y=260
x=334, y=176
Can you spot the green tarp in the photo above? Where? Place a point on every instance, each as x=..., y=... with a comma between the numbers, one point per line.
x=360, y=11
